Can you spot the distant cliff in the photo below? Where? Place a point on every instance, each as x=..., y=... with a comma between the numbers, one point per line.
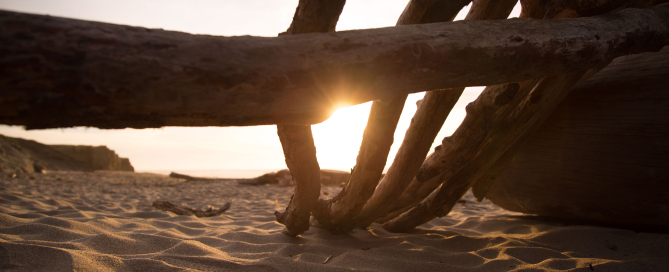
x=26, y=156
x=96, y=157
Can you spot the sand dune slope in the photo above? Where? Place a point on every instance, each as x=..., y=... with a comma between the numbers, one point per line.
x=104, y=221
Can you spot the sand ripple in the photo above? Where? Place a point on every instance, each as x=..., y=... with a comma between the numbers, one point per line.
x=104, y=221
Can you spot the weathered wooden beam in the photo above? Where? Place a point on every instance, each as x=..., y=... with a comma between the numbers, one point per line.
x=337, y=214
x=58, y=72
x=297, y=140
x=426, y=123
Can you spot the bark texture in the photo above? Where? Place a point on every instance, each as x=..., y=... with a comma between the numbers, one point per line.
x=431, y=11
x=508, y=130
x=338, y=214
x=426, y=123
x=300, y=152
x=297, y=140
x=445, y=160
x=602, y=155
x=469, y=161
x=316, y=16
x=57, y=72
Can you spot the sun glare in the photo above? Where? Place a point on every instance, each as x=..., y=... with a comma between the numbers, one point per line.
x=338, y=138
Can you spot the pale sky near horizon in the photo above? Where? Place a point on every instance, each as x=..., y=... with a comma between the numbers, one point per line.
x=189, y=148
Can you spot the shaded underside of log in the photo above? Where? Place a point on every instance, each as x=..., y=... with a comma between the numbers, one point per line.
x=58, y=72
x=603, y=155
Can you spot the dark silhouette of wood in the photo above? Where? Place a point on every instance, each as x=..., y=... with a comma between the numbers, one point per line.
x=315, y=16
x=602, y=155
x=454, y=169
x=431, y=11
x=297, y=140
x=113, y=76
x=426, y=123
x=338, y=214
x=515, y=126
x=445, y=160
x=191, y=178
x=300, y=152
x=507, y=130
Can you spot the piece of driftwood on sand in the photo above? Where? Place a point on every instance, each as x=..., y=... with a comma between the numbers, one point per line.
x=109, y=76
x=171, y=207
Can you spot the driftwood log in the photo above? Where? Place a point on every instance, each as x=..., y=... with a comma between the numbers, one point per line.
x=57, y=72
x=297, y=140
x=496, y=123
x=426, y=123
x=339, y=214
x=179, y=210
x=191, y=178
x=602, y=155
x=300, y=152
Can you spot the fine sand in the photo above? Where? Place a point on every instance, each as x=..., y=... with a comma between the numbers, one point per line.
x=100, y=221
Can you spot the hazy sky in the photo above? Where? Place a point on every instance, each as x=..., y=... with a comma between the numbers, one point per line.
x=184, y=148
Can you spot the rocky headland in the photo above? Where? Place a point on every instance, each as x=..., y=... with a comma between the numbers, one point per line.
x=19, y=155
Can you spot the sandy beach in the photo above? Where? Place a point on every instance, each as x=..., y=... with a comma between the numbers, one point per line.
x=104, y=221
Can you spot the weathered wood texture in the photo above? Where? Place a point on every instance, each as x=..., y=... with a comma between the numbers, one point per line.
x=603, y=155
x=314, y=16
x=426, y=123
x=297, y=140
x=556, y=9
x=445, y=161
x=491, y=10
x=300, y=152
x=504, y=131
x=466, y=159
x=58, y=72
x=338, y=214
x=431, y=11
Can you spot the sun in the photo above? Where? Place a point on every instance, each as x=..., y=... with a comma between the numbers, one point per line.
x=338, y=138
